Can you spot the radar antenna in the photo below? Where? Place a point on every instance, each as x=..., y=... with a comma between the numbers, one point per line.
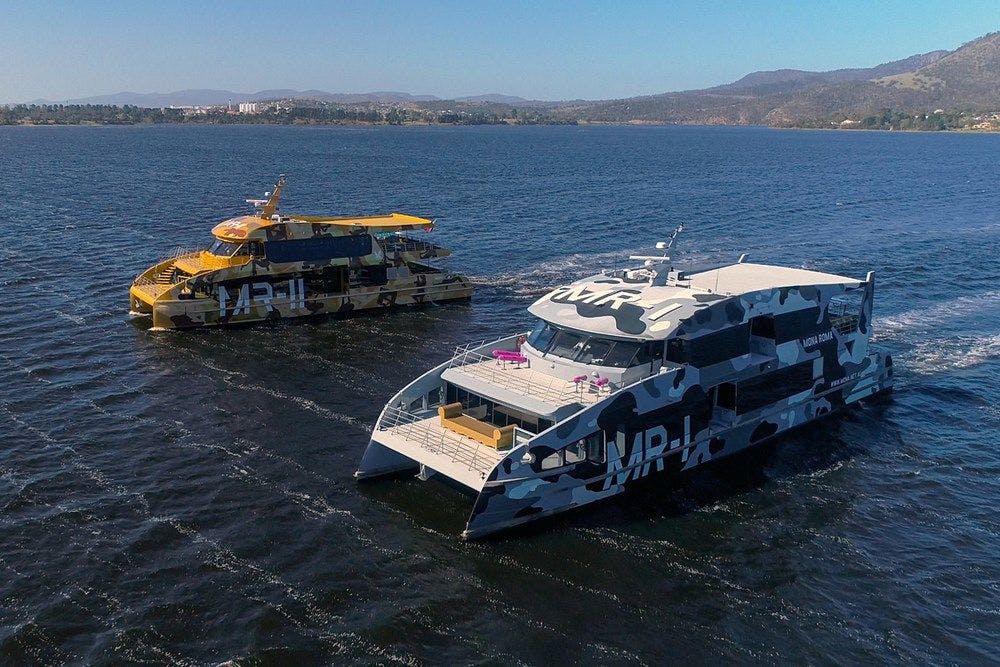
x=269, y=205
x=659, y=265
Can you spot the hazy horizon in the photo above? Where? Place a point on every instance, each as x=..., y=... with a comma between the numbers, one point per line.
x=60, y=51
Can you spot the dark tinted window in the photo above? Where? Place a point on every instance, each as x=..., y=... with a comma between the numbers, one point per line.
x=595, y=351
x=645, y=354
x=762, y=391
x=762, y=325
x=565, y=344
x=726, y=396
x=318, y=248
x=720, y=346
x=227, y=248
x=621, y=354
x=677, y=351
x=797, y=324
x=541, y=336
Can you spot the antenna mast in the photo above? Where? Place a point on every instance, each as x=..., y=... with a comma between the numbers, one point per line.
x=269, y=205
x=659, y=265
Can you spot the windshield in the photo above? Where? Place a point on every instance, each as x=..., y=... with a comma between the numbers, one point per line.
x=227, y=248
x=551, y=340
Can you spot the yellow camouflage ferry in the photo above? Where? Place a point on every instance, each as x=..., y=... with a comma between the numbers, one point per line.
x=270, y=266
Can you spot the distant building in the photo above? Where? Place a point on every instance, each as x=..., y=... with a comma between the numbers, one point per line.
x=250, y=107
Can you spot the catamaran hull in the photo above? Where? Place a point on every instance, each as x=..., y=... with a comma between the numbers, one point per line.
x=265, y=300
x=503, y=505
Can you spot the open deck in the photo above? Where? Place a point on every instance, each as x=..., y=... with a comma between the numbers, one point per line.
x=421, y=437
x=520, y=385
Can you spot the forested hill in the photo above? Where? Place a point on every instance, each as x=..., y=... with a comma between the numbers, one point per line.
x=938, y=90
x=967, y=79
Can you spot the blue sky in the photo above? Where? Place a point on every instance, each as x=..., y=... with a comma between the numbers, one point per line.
x=542, y=50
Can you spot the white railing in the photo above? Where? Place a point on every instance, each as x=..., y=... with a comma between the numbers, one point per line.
x=406, y=244
x=844, y=316
x=414, y=428
x=552, y=389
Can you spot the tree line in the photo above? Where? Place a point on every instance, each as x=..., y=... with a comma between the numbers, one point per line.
x=103, y=114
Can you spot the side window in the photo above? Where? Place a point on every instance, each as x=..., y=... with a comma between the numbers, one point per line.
x=576, y=452
x=644, y=356
x=677, y=351
x=726, y=397
x=595, y=447
x=553, y=460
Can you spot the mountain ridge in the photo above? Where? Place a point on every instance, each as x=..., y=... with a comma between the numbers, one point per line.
x=965, y=80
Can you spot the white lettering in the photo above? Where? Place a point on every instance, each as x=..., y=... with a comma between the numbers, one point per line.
x=223, y=299
x=824, y=337
x=243, y=302
x=266, y=297
x=616, y=299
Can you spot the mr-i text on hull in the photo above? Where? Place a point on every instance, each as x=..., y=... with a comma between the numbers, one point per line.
x=270, y=266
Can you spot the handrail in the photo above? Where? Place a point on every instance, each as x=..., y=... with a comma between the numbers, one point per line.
x=405, y=244
x=554, y=390
x=412, y=428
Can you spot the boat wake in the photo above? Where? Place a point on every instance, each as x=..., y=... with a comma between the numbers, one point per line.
x=929, y=340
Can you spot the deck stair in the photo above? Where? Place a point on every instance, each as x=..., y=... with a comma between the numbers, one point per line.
x=167, y=276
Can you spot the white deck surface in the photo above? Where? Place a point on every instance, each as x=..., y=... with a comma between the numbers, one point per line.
x=747, y=277
x=427, y=442
x=523, y=387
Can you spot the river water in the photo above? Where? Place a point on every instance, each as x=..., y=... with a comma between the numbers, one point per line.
x=187, y=497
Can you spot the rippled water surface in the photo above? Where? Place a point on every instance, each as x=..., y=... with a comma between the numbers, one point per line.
x=187, y=497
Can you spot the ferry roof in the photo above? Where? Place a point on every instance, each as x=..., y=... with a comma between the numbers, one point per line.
x=243, y=227
x=618, y=306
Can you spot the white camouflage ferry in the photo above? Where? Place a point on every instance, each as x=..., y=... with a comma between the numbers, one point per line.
x=648, y=370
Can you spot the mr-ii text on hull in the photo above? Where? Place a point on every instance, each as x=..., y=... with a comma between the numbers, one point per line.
x=644, y=371
x=270, y=266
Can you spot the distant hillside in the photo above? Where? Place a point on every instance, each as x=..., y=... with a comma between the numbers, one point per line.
x=965, y=79
x=210, y=96
x=964, y=84
x=787, y=80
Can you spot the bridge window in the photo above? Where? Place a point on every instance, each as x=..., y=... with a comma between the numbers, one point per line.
x=319, y=248
x=566, y=344
x=594, y=351
x=541, y=336
x=579, y=347
x=227, y=248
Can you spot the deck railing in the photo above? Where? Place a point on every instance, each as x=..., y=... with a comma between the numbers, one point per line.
x=406, y=244
x=414, y=428
x=844, y=316
x=551, y=390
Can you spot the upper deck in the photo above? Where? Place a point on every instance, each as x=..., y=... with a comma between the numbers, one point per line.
x=629, y=304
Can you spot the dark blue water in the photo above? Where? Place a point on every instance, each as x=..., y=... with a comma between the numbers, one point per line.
x=187, y=497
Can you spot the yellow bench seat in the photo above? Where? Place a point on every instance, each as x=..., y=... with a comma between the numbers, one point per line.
x=497, y=437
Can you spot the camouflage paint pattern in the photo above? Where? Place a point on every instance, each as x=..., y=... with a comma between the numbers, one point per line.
x=668, y=421
x=518, y=490
x=200, y=289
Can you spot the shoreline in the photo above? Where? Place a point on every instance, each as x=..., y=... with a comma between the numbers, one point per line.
x=512, y=125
